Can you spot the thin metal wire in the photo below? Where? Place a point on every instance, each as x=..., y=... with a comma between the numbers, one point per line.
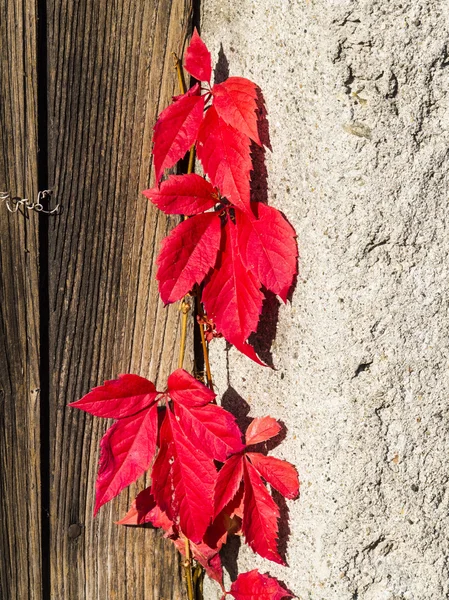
x=14, y=203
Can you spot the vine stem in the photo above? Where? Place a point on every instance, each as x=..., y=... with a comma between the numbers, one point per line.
x=184, y=304
x=185, y=308
x=188, y=570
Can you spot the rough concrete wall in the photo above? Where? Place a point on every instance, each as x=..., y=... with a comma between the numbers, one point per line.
x=357, y=98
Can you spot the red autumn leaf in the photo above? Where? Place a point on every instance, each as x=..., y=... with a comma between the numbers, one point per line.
x=235, y=508
x=161, y=475
x=198, y=61
x=187, y=255
x=177, y=129
x=118, y=398
x=261, y=429
x=145, y=510
x=268, y=248
x=183, y=480
x=127, y=450
x=228, y=482
x=256, y=586
x=183, y=195
x=225, y=155
x=231, y=296
x=211, y=428
x=260, y=516
x=187, y=390
x=235, y=101
x=280, y=474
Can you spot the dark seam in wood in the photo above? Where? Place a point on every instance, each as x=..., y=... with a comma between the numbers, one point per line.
x=44, y=299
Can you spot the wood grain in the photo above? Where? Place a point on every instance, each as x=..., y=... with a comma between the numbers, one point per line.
x=110, y=74
x=20, y=481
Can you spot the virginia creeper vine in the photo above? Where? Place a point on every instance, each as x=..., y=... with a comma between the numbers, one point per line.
x=206, y=482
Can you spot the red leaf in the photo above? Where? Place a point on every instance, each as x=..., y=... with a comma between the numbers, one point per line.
x=198, y=61
x=256, y=586
x=225, y=155
x=211, y=428
x=260, y=516
x=187, y=255
x=228, y=482
x=232, y=296
x=183, y=195
x=119, y=398
x=177, y=129
x=161, y=475
x=268, y=248
x=187, y=390
x=183, y=486
x=235, y=508
x=235, y=101
x=261, y=429
x=145, y=510
x=280, y=474
x=127, y=450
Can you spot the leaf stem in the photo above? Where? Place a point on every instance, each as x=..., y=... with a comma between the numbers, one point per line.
x=188, y=570
x=179, y=72
x=184, y=308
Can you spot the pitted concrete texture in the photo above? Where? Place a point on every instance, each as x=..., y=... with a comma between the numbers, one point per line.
x=357, y=94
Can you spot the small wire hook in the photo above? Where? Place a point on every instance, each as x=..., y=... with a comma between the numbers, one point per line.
x=14, y=203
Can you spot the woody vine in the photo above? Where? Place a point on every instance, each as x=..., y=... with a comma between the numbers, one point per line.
x=207, y=484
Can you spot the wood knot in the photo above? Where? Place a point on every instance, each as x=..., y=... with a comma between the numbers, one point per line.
x=74, y=531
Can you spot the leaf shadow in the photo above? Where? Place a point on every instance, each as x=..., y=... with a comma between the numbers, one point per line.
x=263, y=338
x=235, y=404
x=284, y=526
x=229, y=555
x=221, y=71
x=259, y=175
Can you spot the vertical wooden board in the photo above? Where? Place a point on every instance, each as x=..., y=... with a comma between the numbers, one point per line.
x=110, y=74
x=20, y=500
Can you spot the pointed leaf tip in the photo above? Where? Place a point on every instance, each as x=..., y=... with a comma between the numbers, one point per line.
x=188, y=391
x=183, y=195
x=126, y=452
x=257, y=586
x=262, y=429
x=235, y=101
x=198, y=61
x=119, y=398
x=176, y=130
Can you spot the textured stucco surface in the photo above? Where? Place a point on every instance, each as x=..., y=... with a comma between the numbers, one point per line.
x=357, y=95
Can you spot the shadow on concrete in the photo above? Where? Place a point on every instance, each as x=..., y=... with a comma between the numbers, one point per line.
x=263, y=338
x=221, y=71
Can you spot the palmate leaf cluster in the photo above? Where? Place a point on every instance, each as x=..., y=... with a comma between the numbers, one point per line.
x=208, y=478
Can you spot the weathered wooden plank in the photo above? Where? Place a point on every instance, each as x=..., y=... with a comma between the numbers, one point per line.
x=110, y=73
x=20, y=500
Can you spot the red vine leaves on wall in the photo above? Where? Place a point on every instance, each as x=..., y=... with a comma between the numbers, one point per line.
x=206, y=483
x=233, y=245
